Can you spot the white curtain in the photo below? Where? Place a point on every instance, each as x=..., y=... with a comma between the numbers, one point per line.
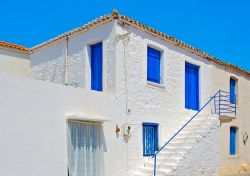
x=85, y=149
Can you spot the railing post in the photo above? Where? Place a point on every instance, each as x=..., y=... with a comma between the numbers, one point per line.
x=219, y=102
x=235, y=106
x=154, y=165
x=215, y=106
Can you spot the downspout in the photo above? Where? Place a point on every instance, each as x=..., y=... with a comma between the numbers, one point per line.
x=66, y=62
x=125, y=40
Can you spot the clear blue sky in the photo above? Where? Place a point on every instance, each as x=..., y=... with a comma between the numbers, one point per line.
x=218, y=27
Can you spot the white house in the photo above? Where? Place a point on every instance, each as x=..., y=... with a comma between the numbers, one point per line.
x=129, y=100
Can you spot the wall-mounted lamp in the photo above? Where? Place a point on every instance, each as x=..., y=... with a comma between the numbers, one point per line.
x=117, y=129
x=245, y=137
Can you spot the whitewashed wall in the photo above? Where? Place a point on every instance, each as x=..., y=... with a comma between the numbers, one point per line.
x=33, y=126
x=221, y=80
x=14, y=62
x=146, y=102
x=49, y=63
x=153, y=103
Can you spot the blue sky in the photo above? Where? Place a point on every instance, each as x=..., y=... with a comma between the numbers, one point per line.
x=218, y=27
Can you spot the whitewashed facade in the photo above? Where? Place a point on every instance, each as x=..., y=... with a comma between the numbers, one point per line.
x=127, y=99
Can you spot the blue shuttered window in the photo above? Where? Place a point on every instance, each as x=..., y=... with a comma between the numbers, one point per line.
x=96, y=67
x=150, y=138
x=153, y=65
x=233, y=132
x=191, y=86
x=232, y=91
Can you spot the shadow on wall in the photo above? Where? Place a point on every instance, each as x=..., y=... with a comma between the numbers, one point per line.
x=14, y=54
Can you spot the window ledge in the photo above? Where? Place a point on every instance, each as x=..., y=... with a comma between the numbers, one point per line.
x=152, y=84
x=233, y=156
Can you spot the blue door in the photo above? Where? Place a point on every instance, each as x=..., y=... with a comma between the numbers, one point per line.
x=191, y=86
x=232, y=91
x=150, y=138
x=232, y=140
x=96, y=67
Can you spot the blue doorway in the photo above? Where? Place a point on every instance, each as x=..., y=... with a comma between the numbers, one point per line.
x=150, y=138
x=191, y=86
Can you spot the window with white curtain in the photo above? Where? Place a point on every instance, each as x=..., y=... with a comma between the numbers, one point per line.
x=85, y=149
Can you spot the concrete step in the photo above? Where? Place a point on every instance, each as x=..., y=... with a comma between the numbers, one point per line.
x=188, y=143
x=177, y=149
x=169, y=154
x=183, y=138
x=197, y=129
x=138, y=173
x=146, y=170
x=161, y=161
x=167, y=166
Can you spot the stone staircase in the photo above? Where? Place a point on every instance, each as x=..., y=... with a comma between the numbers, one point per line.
x=169, y=158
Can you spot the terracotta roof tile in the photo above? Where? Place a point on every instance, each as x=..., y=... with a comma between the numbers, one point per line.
x=14, y=46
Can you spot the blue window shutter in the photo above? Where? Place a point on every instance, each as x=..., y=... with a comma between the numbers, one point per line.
x=232, y=140
x=153, y=65
x=191, y=86
x=96, y=67
x=232, y=91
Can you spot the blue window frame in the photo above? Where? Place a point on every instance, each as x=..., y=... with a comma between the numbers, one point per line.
x=233, y=138
x=96, y=66
x=150, y=138
x=191, y=86
x=232, y=91
x=153, y=65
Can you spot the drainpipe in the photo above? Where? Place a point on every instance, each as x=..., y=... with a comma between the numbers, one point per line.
x=125, y=40
x=66, y=62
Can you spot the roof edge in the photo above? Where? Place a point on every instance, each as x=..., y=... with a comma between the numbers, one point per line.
x=97, y=22
x=178, y=43
x=127, y=20
x=15, y=47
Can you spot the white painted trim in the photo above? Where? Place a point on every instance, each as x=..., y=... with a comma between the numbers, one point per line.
x=90, y=118
x=152, y=84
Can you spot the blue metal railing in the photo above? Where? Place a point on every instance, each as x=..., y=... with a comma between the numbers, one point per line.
x=219, y=108
x=224, y=103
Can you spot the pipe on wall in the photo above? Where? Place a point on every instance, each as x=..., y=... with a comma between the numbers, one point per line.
x=66, y=62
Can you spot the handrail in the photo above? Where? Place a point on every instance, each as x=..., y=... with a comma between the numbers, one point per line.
x=211, y=98
x=223, y=104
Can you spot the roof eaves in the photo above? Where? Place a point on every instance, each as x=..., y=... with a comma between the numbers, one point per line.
x=15, y=47
x=176, y=42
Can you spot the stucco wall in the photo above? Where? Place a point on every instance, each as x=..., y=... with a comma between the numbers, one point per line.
x=14, y=62
x=221, y=78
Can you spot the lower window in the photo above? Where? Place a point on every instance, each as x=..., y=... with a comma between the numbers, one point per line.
x=85, y=149
x=233, y=140
x=150, y=138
